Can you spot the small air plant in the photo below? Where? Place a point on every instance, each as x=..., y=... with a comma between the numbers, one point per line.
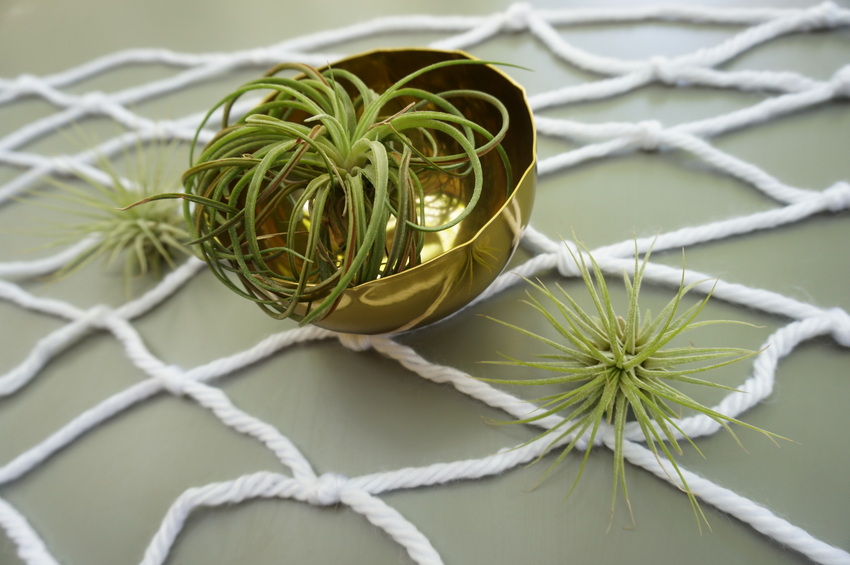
x=147, y=239
x=619, y=368
x=323, y=186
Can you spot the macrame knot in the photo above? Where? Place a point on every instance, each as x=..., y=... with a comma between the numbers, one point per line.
x=827, y=14
x=516, y=16
x=564, y=261
x=650, y=134
x=840, y=321
x=663, y=69
x=173, y=379
x=98, y=316
x=841, y=82
x=356, y=342
x=837, y=197
x=28, y=84
x=64, y=164
x=166, y=129
x=325, y=490
x=95, y=102
x=260, y=57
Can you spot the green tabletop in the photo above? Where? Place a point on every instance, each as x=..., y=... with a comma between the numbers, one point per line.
x=769, y=191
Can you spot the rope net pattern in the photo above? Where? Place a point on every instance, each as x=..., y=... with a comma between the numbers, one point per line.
x=785, y=93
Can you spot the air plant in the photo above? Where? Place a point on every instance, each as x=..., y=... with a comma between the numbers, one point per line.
x=323, y=185
x=615, y=369
x=146, y=239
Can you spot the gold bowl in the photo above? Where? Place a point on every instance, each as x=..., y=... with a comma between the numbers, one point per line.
x=459, y=263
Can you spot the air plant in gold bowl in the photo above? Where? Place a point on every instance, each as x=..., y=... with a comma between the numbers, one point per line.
x=377, y=194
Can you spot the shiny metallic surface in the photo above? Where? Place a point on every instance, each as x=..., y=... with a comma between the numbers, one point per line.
x=460, y=263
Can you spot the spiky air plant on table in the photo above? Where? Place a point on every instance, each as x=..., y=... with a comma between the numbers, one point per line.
x=146, y=240
x=619, y=368
x=327, y=184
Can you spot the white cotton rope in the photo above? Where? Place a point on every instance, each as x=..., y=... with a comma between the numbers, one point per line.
x=782, y=93
x=30, y=547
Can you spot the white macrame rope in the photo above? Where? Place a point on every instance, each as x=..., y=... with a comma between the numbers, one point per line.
x=747, y=511
x=31, y=549
x=784, y=93
x=325, y=490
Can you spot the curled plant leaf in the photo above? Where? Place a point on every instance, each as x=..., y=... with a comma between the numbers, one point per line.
x=616, y=368
x=323, y=185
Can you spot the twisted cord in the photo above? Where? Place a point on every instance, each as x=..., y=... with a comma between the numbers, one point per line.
x=757, y=516
x=324, y=490
x=31, y=548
